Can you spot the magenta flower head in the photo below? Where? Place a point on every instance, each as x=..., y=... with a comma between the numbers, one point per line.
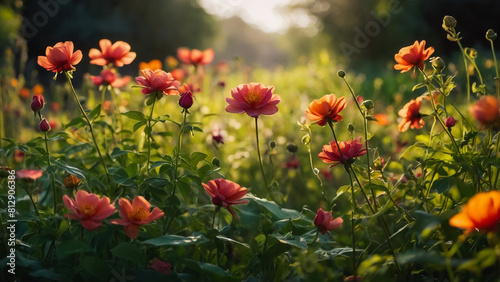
x=225, y=193
x=325, y=222
x=37, y=103
x=254, y=99
x=186, y=100
x=450, y=122
x=44, y=125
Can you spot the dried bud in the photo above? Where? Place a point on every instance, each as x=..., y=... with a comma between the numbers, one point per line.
x=186, y=100
x=37, y=103
x=71, y=182
x=450, y=122
x=291, y=148
x=44, y=125
x=350, y=127
x=368, y=104
x=449, y=23
x=341, y=73
x=491, y=34
x=437, y=63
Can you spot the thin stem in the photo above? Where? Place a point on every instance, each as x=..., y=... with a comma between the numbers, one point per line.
x=49, y=166
x=84, y=115
x=330, y=123
x=352, y=224
x=496, y=69
x=150, y=130
x=466, y=69
x=103, y=94
x=32, y=202
x=260, y=159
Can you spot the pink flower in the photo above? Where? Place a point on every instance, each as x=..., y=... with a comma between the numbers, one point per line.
x=29, y=174
x=118, y=54
x=254, y=99
x=325, y=222
x=60, y=57
x=350, y=150
x=225, y=193
x=135, y=214
x=195, y=56
x=89, y=208
x=109, y=77
x=160, y=266
x=157, y=81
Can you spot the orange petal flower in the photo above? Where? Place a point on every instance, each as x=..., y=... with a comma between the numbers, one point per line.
x=325, y=222
x=158, y=81
x=225, y=193
x=411, y=115
x=325, y=109
x=412, y=56
x=350, y=150
x=382, y=118
x=481, y=212
x=486, y=110
x=152, y=65
x=29, y=174
x=118, y=54
x=89, y=208
x=195, y=56
x=136, y=213
x=60, y=57
x=254, y=99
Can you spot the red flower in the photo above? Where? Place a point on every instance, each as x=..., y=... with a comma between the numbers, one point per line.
x=481, y=212
x=60, y=57
x=186, y=100
x=136, y=213
x=412, y=56
x=217, y=136
x=254, y=99
x=411, y=115
x=157, y=81
x=325, y=109
x=195, y=56
x=325, y=222
x=118, y=54
x=486, y=109
x=109, y=77
x=450, y=122
x=225, y=193
x=350, y=150
x=89, y=208
x=160, y=266
x=44, y=125
x=29, y=174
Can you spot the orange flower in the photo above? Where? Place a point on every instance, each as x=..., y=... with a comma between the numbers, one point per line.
x=412, y=56
x=172, y=62
x=157, y=81
x=60, y=57
x=254, y=99
x=411, y=115
x=325, y=109
x=178, y=74
x=24, y=92
x=481, y=212
x=382, y=118
x=225, y=193
x=89, y=208
x=486, y=109
x=136, y=213
x=29, y=174
x=195, y=56
x=38, y=89
x=109, y=77
x=71, y=182
x=325, y=222
x=152, y=65
x=350, y=150
x=118, y=54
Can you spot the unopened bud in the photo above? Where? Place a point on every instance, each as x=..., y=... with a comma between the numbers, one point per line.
x=350, y=127
x=379, y=163
x=216, y=162
x=491, y=34
x=44, y=125
x=341, y=73
x=71, y=182
x=37, y=103
x=291, y=148
x=437, y=63
x=186, y=100
x=449, y=23
x=450, y=122
x=368, y=104
x=272, y=144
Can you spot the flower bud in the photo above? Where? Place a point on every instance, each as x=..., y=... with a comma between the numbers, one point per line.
x=449, y=23
x=472, y=53
x=379, y=163
x=216, y=162
x=44, y=125
x=186, y=100
x=37, y=103
x=341, y=73
x=450, y=122
x=71, y=182
x=437, y=63
x=350, y=127
x=217, y=136
x=272, y=144
x=291, y=148
x=491, y=34
x=368, y=104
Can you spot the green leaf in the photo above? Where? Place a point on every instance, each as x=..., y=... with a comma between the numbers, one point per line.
x=421, y=256
x=377, y=187
x=442, y=184
x=121, y=177
x=174, y=240
x=139, y=125
x=130, y=252
x=77, y=122
x=292, y=240
x=157, y=182
x=415, y=151
x=135, y=115
x=424, y=224
x=118, y=152
x=213, y=272
x=59, y=135
x=74, y=246
x=273, y=208
x=197, y=157
x=226, y=239
x=95, y=113
x=68, y=168
x=35, y=142
x=331, y=254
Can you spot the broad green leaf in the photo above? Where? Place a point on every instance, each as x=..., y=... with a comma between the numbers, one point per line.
x=135, y=115
x=77, y=122
x=213, y=272
x=74, y=246
x=273, y=208
x=139, y=125
x=331, y=254
x=118, y=152
x=442, y=185
x=94, y=113
x=292, y=240
x=175, y=240
x=129, y=252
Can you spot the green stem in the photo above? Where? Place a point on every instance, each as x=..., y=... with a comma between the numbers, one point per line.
x=49, y=166
x=32, y=202
x=496, y=69
x=150, y=131
x=330, y=123
x=103, y=94
x=260, y=159
x=84, y=115
x=466, y=69
x=352, y=224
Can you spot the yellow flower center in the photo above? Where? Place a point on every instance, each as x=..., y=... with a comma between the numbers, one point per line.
x=253, y=98
x=87, y=210
x=139, y=214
